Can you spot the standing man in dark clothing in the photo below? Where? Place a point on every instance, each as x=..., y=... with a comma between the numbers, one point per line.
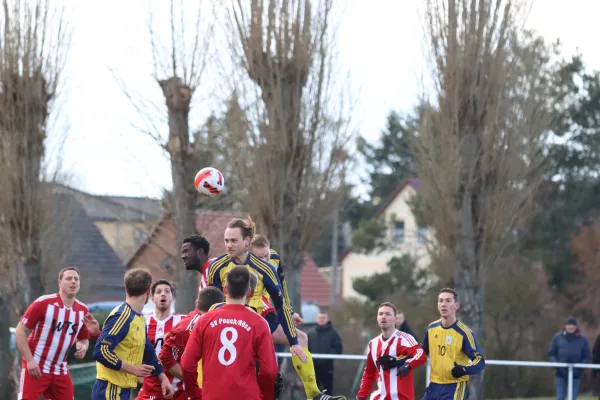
x=402, y=325
x=568, y=346
x=324, y=339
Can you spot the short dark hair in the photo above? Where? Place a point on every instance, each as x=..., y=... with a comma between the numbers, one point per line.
x=198, y=242
x=451, y=291
x=260, y=240
x=208, y=297
x=71, y=268
x=162, y=282
x=390, y=305
x=238, y=282
x=247, y=226
x=137, y=281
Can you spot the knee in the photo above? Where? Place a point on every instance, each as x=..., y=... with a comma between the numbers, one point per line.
x=302, y=339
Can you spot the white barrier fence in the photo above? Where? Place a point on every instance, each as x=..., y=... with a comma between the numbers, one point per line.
x=487, y=362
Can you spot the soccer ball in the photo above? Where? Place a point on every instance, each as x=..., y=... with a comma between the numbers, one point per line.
x=209, y=181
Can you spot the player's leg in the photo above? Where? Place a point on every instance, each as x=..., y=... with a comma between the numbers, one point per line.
x=60, y=388
x=306, y=371
x=32, y=389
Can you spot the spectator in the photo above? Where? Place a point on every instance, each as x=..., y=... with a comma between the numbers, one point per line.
x=596, y=372
x=324, y=339
x=402, y=325
x=568, y=346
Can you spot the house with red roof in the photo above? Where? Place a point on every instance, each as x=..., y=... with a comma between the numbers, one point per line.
x=403, y=233
x=159, y=251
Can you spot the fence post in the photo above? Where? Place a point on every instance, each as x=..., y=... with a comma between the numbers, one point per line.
x=570, y=385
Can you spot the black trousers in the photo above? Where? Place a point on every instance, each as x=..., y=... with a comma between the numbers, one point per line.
x=324, y=375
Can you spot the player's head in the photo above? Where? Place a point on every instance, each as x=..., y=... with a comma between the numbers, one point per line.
x=448, y=303
x=253, y=284
x=261, y=247
x=68, y=281
x=238, y=282
x=163, y=293
x=238, y=235
x=386, y=316
x=194, y=252
x=138, y=282
x=208, y=297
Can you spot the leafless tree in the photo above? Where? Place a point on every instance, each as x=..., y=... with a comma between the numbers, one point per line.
x=479, y=153
x=292, y=137
x=33, y=44
x=180, y=58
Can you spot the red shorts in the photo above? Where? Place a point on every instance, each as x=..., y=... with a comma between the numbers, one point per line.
x=53, y=387
x=179, y=395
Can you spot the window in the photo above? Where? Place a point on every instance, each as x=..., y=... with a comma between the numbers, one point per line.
x=421, y=234
x=398, y=232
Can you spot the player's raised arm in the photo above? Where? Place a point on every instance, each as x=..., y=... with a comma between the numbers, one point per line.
x=273, y=287
x=277, y=262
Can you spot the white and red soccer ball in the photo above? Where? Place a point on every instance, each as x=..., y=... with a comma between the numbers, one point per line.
x=209, y=181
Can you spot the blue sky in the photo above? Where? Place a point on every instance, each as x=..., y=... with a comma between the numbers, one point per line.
x=379, y=43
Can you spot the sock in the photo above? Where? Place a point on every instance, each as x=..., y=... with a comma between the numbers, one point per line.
x=306, y=372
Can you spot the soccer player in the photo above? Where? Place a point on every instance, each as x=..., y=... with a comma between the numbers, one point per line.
x=123, y=351
x=158, y=324
x=194, y=253
x=391, y=357
x=44, y=336
x=450, y=345
x=176, y=341
x=261, y=247
x=230, y=341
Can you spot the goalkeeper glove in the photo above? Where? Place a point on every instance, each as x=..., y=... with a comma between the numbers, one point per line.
x=403, y=370
x=458, y=370
x=387, y=362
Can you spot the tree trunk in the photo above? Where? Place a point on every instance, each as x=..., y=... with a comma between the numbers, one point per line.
x=7, y=389
x=178, y=97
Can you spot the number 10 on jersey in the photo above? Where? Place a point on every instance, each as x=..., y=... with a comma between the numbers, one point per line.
x=228, y=352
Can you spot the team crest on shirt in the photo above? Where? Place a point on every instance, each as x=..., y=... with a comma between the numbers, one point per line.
x=448, y=339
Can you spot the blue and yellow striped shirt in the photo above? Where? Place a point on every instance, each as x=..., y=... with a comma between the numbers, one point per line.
x=124, y=339
x=445, y=346
x=268, y=286
x=275, y=261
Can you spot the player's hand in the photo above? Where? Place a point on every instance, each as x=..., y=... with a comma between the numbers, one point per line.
x=167, y=389
x=142, y=371
x=387, y=362
x=458, y=370
x=403, y=370
x=297, y=318
x=297, y=350
x=80, y=350
x=34, y=369
x=92, y=325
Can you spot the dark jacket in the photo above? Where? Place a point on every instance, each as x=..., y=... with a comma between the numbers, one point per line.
x=569, y=348
x=596, y=372
x=324, y=339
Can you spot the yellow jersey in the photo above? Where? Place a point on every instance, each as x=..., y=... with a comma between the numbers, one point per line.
x=445, y=346
x=268, y=287
x=276, y=262
x=123, y=339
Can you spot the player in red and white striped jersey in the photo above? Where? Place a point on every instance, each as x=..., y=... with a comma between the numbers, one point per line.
x=158, y=324
x=46, y=332
x=194, y=254
x=390, y=360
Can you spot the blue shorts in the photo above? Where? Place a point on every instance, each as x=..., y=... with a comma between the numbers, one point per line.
x=272, y=320
x=104, y=390
x=446, y=391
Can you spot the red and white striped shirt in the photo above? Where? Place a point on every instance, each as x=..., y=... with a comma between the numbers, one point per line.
x=204, y=274
x=157, y=332
x=389, y=385
x=54, y=329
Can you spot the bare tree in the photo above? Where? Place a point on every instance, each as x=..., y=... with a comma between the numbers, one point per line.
x=292, y=139
x=178, y=69
x=479, y=153
x=33, y=44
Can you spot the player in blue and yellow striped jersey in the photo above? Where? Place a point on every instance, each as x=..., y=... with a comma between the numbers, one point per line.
x=453, y=352
x=238, y=239
x=123, y=351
